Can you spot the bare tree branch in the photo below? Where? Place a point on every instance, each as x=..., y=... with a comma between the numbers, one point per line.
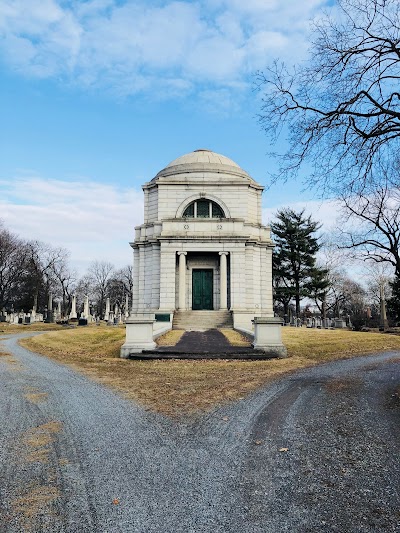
x=341, y=110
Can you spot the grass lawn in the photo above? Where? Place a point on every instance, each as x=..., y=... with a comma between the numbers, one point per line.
x=7, y=329
x=177, y=387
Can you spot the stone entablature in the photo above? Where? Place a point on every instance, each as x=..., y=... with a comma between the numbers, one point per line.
x=235, y=229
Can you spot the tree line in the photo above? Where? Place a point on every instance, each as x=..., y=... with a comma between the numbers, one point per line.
x=309, y=275
x=31, y=270
x=309, y=271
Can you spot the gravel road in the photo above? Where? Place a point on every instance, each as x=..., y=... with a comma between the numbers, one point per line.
x=317, y=451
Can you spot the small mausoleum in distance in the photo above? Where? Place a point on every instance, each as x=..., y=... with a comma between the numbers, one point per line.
x=202, y=255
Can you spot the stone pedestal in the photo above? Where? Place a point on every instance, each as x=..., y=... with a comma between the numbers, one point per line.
x=139, y=334
x=267, y=336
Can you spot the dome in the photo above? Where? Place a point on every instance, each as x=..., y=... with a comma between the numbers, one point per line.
x=203, y=162
x=203, y=156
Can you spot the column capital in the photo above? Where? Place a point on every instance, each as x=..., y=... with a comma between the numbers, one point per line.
x=223, y=253
x=182, y=253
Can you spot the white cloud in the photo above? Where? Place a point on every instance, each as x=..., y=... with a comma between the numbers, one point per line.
x=92, y=220
x=135, y=46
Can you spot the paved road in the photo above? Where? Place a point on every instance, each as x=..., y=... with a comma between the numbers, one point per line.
x=98, y=463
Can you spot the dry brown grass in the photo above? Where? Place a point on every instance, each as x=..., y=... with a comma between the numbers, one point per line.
x=326, y=345
x=13, y=364
x=235, y=338
x=36, y=441
x=35, y=501
x=36, y=397
x=176, y=387
x=8, y=329
x=171, y=338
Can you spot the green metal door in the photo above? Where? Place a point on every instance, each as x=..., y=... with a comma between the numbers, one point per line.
x=202, y=289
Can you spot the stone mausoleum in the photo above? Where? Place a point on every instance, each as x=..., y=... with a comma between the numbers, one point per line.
x=202, y=247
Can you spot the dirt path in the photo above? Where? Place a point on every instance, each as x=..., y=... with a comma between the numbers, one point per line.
x=76, y=457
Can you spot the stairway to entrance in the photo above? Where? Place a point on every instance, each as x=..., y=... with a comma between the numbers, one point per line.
x=202, y=320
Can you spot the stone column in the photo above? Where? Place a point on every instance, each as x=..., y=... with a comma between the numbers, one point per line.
x=135, y=277
x=142, y=281
x=107, y=313
x=86, y=307
x=182, y=281
x=73, y=307
x=223, y=274
x=50, y=308
x=126, y=306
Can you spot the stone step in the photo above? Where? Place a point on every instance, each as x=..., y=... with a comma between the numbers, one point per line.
x=201, y=320
x=250, y=354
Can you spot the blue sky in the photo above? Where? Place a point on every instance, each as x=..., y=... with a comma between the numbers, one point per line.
x=98, y=96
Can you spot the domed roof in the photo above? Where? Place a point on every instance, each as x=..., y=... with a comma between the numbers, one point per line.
x=203, y=163
x=202, y=156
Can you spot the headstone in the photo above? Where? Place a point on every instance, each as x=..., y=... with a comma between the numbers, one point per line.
x=73, y=314
x=59, y=313
x=86, y=312
x=107, y=313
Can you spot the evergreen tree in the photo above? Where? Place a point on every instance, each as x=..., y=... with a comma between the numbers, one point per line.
x=316, y=287
x=295, y=272
x=393, y=303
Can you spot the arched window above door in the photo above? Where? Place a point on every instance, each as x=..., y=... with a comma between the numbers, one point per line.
x=203, y=209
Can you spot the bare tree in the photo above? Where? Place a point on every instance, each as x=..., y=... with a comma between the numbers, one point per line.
x=120, y=286
x=98, y=277
x=372, y=225
x=343, y=295
x=378, y=275
x=66, y=281
x=341, y=109
x=44, y=260
x=12, y=267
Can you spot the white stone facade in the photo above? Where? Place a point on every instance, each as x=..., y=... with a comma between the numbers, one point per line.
x=182, y=248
